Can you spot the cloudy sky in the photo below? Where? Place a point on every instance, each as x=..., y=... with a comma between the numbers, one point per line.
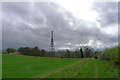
x=74, y=23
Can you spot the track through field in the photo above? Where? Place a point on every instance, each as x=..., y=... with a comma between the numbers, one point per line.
x=44, y=75
x=36, y=67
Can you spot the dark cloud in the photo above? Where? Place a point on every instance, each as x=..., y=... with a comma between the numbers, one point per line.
x=108, y=13
x=30, y=24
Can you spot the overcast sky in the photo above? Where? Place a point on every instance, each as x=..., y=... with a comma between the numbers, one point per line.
x=74, y=23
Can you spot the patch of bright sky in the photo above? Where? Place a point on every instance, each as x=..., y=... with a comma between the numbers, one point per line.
x=79, y=8
x=93, y=44
x=113, y=30
x=69, y=43
x=110, y=30
x=63, y=48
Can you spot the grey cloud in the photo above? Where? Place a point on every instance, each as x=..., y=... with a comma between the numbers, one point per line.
x=30, y=24
x=108, y=13
x=16, y=9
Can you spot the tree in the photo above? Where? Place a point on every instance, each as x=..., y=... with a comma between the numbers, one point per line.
x=88, y=52
x=77, y=54
x=67, y=53
x=81, y=51
x=11, y=50
x=20, y=49
x=36, y=51
x=25, y=51
x=42, y=52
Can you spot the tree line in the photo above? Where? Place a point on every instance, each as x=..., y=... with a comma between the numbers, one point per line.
x=81, y=53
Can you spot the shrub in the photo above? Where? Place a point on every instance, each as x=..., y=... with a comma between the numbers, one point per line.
x=9, y=50
x=111, y=54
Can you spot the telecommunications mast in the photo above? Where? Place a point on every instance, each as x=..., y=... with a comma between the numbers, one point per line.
x=52, y=46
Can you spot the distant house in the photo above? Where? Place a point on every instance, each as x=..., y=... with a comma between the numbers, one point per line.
x=14, y=53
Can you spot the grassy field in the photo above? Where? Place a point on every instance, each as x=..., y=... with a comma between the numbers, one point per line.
x=35, y=67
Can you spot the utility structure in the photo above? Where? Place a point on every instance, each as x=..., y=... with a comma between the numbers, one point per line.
x=52, y=46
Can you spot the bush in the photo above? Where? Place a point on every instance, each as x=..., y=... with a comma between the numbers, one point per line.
x=9, y=50
x=111, y=54
x=96, y=57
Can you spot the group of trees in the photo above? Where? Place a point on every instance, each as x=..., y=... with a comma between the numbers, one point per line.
x=32, y=51
x=69, y=54
x=9, y=50
x=29, y=51
x=82, y=53
x=86, y=52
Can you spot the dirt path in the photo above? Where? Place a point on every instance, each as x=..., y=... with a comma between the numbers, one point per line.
x=59, y=69
x=84, y=63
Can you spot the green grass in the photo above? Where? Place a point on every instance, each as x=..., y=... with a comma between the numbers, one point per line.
x=0, y=65
x=89, y=68
x=36, y=67
x=28, y=67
